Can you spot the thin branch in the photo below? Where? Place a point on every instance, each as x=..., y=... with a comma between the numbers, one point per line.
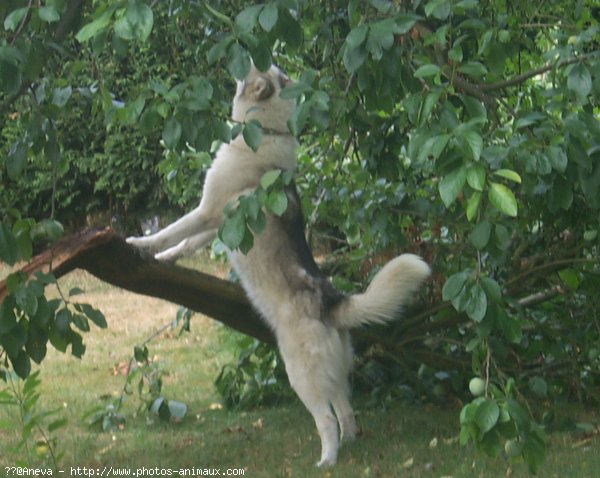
x=541, y=296
x=549, y=265
x=22, y=24
x=499, y=85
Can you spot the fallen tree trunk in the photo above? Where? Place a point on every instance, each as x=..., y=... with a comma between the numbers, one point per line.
x=108, y=257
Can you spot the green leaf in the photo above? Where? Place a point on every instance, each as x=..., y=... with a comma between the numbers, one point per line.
x=580, y=81
x=8, y=320
x=14, y=18
x=289, y=29
x=473, y=68
x=475, y=142
x=476, y=176
x=427, y=70
x=561, y=194
x=534, y=452
x=277, y=202
x=246, y=20
x=529, y=119
x=508, y=174
x=77, y=345
x=558, y=158
x=218, y=51
x=268, y=17
x=381, y=37
x=487, y=415
x=261, y=55
x=16, y=159
x=60, y=96
x=492, y=289
x=141, y=353
x=172, y=133
x=93, y=28
x=10, y=78
x=510, y=326
x=233, y=230
x=21, y=364
x=439, y=9
x=56, y=424
x=269, y=178
x=454, y=284
x=238, y=61
x=473, y=205
x=48, y=14
x=570, y=277
x=93, y=314
x=451, y=184
x=252, y=134
x=477, y=303
x=353, y=58
x=538, y=386
x=357, y=36
x=503, y=199
x=9, y=251
x=140, y=18
x=480, y=235
x=81, y=322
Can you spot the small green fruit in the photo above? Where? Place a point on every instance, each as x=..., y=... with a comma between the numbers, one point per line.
x=477, y=386
x=513, y=448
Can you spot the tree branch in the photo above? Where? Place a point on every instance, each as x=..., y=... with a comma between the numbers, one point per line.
x=111, y=259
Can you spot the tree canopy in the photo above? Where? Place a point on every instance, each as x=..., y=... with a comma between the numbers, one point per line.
x=466, y=131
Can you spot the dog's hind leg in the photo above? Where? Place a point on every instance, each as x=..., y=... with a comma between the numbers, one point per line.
x=341, y=391
x=326, y=423
x=313, y=391
x=187, y=246
x=345, y=414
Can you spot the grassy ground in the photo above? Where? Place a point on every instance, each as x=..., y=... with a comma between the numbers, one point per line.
x=401, y=440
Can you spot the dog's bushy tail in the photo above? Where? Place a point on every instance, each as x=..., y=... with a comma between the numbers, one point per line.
x=389, y=290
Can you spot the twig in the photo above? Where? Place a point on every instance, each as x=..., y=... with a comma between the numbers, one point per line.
x=539, y=297
x=549, y=265
x=22, y=24
x=499, y=85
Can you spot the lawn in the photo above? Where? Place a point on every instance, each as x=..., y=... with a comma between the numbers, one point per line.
x=402, y=439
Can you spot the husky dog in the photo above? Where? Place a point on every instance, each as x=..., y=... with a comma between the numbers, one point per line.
x=310, y=318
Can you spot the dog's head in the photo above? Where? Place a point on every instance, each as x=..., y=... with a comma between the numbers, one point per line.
x=257, y=97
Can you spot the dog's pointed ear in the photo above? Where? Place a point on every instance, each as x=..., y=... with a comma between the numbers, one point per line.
x=283, y=79
x=261, y=89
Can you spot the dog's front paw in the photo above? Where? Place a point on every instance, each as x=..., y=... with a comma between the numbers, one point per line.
x=166, y=256
x=137, y=241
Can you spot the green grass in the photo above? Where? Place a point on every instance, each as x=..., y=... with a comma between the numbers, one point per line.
x=397, y=440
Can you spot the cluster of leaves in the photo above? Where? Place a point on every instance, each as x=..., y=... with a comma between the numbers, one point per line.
x=246, y=217
x=25, y=396
x=256, y=378
x=28, y=319
x=144, y=376
x=497, y=421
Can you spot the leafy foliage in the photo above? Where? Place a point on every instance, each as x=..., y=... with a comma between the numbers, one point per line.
x=28, y=320
x=35, y=428
x=257, y=378
x=465, y=131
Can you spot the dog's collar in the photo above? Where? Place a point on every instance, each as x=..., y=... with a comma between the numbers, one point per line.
x=274, y=132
